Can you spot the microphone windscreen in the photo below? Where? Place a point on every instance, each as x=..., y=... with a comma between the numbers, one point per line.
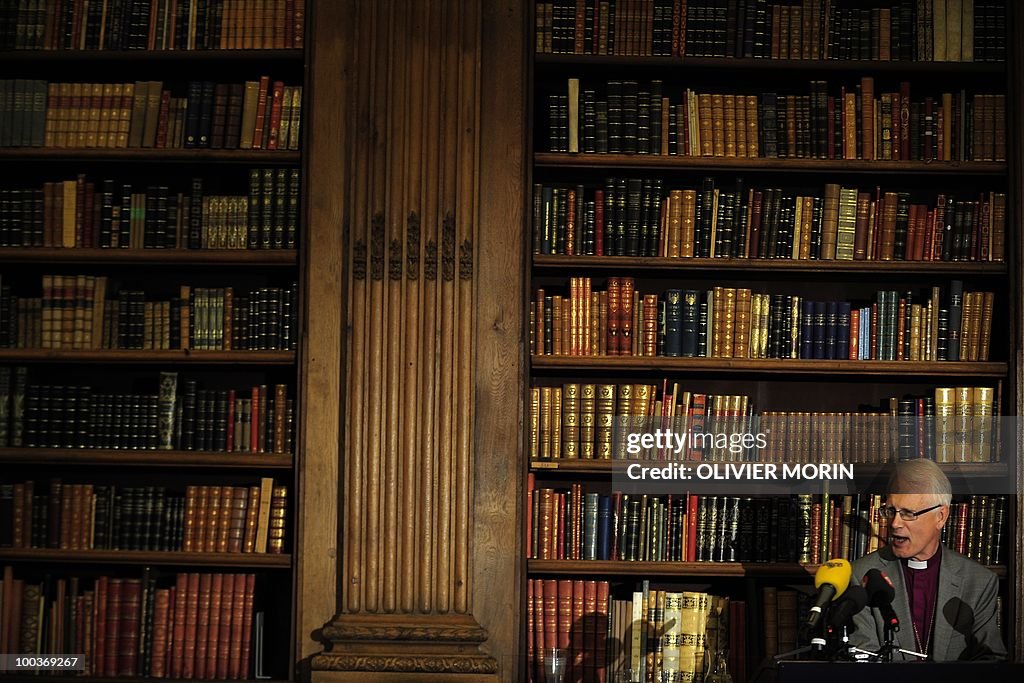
x=879, y=588
x=854, y=600
x=836, y=573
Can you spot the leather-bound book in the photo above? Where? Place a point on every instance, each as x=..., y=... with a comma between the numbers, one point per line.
x=278, y=519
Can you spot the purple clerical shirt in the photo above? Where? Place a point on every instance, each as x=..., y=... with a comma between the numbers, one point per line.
x=922, y=591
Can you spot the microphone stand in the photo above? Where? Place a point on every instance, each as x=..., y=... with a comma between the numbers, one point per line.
x=817, y=645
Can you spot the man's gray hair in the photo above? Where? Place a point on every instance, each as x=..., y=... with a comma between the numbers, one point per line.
x=921, y=476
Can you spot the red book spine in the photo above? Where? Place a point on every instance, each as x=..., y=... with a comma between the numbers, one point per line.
x=128, y=642
x=538, y=623
x=237, y=630
x=113, y=634
x=550, y=614
x=178, y=628
x=214, y=643
x=249, y=595
x=600, y=632
x=202, y=625
x=873, y=348
x=277, y=96
x=188, y=665
x=224, y=633
x=254, y=421
x=161, y=612
x=564, y=613
x=530, y=632
x=854, y=334
x=98, y=663
x=261, y=113
x=577, y=643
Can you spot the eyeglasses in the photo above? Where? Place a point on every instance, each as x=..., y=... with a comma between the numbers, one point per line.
x=906, y=515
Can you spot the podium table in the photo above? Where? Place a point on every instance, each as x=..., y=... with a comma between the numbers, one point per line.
x=898, y=672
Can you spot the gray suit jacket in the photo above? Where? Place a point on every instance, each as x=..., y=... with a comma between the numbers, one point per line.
x=965, y=619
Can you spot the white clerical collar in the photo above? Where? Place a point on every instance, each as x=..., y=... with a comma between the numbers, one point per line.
x=917, y=564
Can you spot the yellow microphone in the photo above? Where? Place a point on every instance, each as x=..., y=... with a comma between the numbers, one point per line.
x=831, y=580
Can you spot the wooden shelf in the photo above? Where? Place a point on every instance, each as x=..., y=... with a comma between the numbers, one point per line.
x=680, y=569
x=715, y=265
x=236, y=560
x=125, y=356
x=799, y=65
x=205, y=156
x=969, y=470
x=659, y=162
x=622, y=568
x=76, y=678
x=135, y=458
x=212, y=56
x=151, y=257
x=773, y=366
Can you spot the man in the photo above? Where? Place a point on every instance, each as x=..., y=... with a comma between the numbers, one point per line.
x=946, y=603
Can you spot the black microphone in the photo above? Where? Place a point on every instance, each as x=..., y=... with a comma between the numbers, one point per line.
x=880, y=596
x=853, y=601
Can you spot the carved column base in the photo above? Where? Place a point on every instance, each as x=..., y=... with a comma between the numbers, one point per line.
x=417, y=647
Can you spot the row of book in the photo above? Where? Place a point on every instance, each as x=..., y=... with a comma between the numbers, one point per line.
x=222, y=519
x=859, y=122
x=189, y=625
x=654, y=635
x=82, y=312
x=108, y=213
x=904, y=30
x=605, y=421
x=261, y=115
x=259, y=419
x=573, y=524
x=156, y=25
x=734, y=322
x=641, y=217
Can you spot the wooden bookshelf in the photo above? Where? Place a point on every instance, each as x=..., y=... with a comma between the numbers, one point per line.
x=657, y=162
x=125, y=372
x=183, y=460
x=141, y=557
x=774, y=366
x=596, y=264
x=632, y=107
x=269, y=258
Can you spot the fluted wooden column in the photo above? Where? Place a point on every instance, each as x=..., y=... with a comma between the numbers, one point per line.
x=409, y=456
